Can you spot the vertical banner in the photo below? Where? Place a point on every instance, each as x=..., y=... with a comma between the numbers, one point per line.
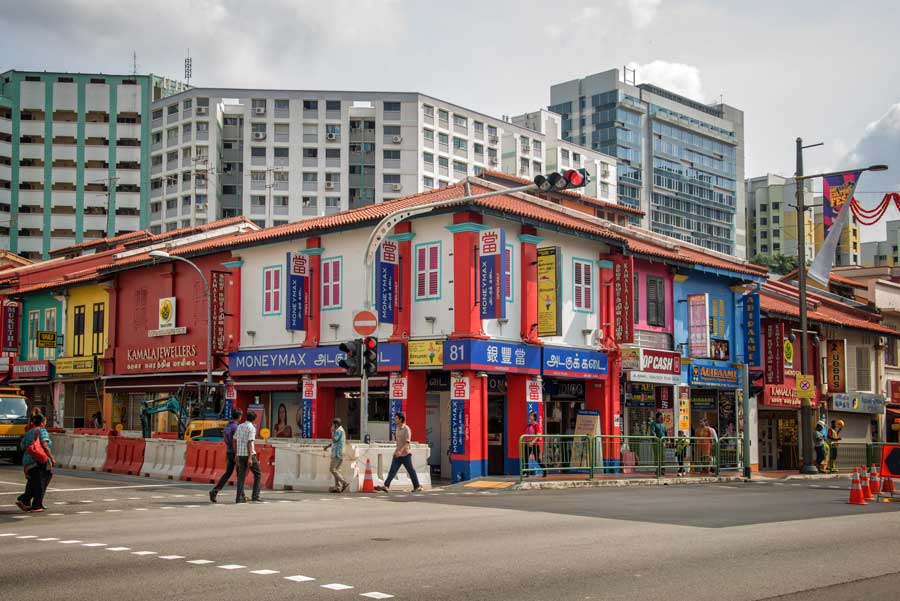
x=752, y=330
x=309, y=391
x=698, y=325
x=459, y=405
x=623, y=291
x=534, y=395
x=397, y=388
x=386, y=268
x=9, y=329
x=684, y=409
x=492, y=273
x=217, y=308
x=837, y=190
x=549, y=314
x=837, y=366
x=774, y=351
x=298, y=272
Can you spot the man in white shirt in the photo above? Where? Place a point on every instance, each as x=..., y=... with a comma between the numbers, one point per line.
x=245, y=451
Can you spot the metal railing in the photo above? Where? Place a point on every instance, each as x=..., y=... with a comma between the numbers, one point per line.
x=844, y=456
x=631, y=456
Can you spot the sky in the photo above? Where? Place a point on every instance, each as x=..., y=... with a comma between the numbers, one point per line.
x=822, y=70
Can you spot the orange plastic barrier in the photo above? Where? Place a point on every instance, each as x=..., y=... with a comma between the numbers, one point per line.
x=202, y=460
x=97, y=431
x=266, y=455
x=124, y=455
x=166, y=435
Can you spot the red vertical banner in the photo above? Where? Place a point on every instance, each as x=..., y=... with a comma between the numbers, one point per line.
x=9, y=328
x=623, y=298
x=217, y=286
x=773, y=345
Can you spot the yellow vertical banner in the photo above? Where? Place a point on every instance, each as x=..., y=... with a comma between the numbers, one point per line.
x=549, y=308
x=684, y=409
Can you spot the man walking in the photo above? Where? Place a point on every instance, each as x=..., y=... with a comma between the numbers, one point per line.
x=38, y=470
x=337, y=455
x=402, y=455
x=228, y=434
x=245, y=451
x=658, y=429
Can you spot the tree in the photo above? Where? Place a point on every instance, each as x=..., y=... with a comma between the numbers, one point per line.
x=777, y=263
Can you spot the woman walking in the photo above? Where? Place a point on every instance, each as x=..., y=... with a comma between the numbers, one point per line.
x=533, y=444
x=37, y=460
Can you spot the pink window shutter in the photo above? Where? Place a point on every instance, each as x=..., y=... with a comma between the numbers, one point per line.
x=267, y=292
x=421, y=269
x=336, y=283
x=507, y=275
x=276, y=291
x=433, y=260
x=588, y=286
x=579, y=302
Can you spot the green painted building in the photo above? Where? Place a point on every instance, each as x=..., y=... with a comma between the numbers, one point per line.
x=74, y=157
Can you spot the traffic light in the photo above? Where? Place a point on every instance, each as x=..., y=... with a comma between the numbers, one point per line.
x=370, y=356
x=568, y=179
x=352, y=361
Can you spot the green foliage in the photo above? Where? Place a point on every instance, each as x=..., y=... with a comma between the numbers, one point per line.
x=776, y=263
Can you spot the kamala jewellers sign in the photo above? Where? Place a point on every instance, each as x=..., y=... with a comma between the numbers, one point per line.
x=161, y=357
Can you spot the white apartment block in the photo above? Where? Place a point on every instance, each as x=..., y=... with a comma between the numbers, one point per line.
x=277, y=156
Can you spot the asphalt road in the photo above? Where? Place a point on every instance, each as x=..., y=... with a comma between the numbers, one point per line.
x=112, y=537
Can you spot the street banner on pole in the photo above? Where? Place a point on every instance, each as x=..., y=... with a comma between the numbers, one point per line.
x=492, y=273
x=752, y=330
x=298, y=272
x=386, y=265
x=837, y=193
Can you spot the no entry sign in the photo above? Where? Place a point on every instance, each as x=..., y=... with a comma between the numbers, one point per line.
x=365, y=323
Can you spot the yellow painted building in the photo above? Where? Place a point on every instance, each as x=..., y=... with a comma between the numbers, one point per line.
x=772, y=219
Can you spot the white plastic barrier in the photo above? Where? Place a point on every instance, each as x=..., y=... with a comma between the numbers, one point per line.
x=163, y=458
x=89, y=452
x=381, y=454
x=306, y=466
x=62, y=446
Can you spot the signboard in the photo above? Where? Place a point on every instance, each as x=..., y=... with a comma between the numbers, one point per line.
x=398, y=387
x=788, y=353
x=587, y=423
x=698, y=325
x=425, y=354
x=395, y=406
x=298, y=360
x=230, y=390
x=459, y=388
x=895, y=391
x=365, y=322
x=458, y=430
x=774, y=351
x=156, y=358
x=533, y=397
x=75, y=365
x=752, y=330
x=576, y=363
x=549, y=314
x=167, y=312
x=623, y=298
x=307, y=417
x=309, y=388
x=836, y=363
x=714, y=374
x=806, y=386
x=30, y=369
x=490, y=355
x=297, y=290
x=631, y=358
x=386, y=267
x=46, y=339
x=859, y=402
x=492, y=273
x=684, y=409
x=9, y=328
x=780, y=395
x=217, y=286
x=641, y=396
x=660, y=362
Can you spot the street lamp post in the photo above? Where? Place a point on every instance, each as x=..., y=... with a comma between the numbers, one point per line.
x=161, y=254
x=806, y=433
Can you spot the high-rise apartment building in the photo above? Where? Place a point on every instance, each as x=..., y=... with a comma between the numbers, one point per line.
x=849, y=250
x=74, y=156
x=772, y=219
x=282, y=155
x=679, y=160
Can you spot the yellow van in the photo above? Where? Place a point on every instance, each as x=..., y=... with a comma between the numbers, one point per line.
x=13, y=419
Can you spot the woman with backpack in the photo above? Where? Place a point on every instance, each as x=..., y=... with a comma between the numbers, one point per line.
x=37, y=460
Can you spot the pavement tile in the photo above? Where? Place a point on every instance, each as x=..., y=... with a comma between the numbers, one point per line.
x=299, y=578
x=264, y=572
x=336, y=586
x=377, y=595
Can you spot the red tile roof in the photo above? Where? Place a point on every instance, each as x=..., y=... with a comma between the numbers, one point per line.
x=783, y=299
x=107, y=242
x=832, y=278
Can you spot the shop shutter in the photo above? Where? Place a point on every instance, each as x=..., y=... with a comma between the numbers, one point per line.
x=863, y=369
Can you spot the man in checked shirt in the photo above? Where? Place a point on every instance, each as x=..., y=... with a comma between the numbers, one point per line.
x=245, y=450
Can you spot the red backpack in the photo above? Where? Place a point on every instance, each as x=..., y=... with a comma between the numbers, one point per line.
x=36, y=449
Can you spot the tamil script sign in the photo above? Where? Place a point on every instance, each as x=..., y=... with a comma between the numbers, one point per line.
x=323, y=359
x=714, y=374
x=576, y=363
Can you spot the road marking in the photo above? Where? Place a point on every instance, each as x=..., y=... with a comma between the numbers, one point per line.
x=298, y=578
x=61, y=503
x=93, y=545
x=179, y=496
x=28, y=536
x=377, y=595
x=109, y=500
x=231, y=566
x=54, y=514
x=8, y=534
x=191, y=506
x=113, y=511
x=200, y=562
x=264, y=572
x=69, y=542
x=85, y=501
x=284, y=501
x=118, y=548
x=84, y=512
x=101, y=488
x=22, y=517
x=134, y=498
x=143, y=552
x=336, y=587
x=171, y=556
x=835, y=487
x=168, y=507
x=50, y=538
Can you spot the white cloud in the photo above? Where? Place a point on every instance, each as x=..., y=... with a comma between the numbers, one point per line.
x=675, y=77
x=642, y=11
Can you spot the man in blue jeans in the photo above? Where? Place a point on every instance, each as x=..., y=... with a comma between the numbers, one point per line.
x=228, y=434
x=402, y=455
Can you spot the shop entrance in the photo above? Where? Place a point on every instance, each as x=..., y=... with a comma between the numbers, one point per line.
x=496, y=420
x=346, y=407
x=778, y=432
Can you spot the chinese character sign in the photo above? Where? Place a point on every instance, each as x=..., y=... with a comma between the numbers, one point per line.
x=549, y=314
x=774, y=347
x=752, y=330
x=386, y=268
x=698, y=325
x=623, y=297
x=297, y=287
x=837, y=366
x=10, y=327
x=459, y=388
x=534, y=395
x=492, y=273
x=217, y=286
x=310, y=389
x=397, y=387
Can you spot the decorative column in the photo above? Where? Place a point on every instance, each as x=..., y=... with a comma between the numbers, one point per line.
x=403, y=235
x=314, y=251
x=466, y=312
x=468, y=426
x=528, y=241
x=523, y=395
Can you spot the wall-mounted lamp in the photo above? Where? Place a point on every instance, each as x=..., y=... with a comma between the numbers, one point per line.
x=503, y=321
x=792, y=337
x=251, y=333
x=481, y=374
x=430, y=319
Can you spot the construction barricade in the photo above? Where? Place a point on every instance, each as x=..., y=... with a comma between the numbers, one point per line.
x=380, y=455
x=96, y=432
x=63, y=446
x=89, y=452
x=306, y=466
x=203, y=461
x=266, y=455
x=163, y=458
x=124, y=455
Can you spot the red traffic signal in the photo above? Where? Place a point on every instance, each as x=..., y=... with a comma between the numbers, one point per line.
x=570, y=178
x=370, y=356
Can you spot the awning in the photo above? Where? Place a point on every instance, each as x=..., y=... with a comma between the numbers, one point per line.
x=348, y=382
x=153, y=382
x=893, y=412
x=266, y=385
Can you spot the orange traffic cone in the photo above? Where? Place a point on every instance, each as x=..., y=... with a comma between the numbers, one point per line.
x=887, y=484
x=856, y=494
x=864, y=484
x=874, y=483
x=368, y=482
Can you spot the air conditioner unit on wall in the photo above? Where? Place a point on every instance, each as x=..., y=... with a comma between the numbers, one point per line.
x=259, y=135
x=329, y=185
x=396, y=139
x=330, y=136
x=260, y=110
x=202, y=110
x=397, y=187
